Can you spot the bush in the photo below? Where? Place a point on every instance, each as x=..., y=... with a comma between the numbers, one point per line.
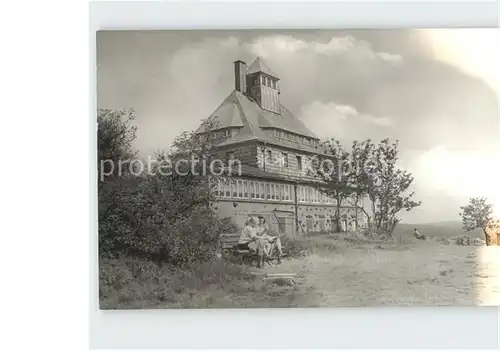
x=297, y=247
x=159, y=218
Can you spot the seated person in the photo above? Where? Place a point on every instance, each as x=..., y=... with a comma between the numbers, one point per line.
x=249, y=240
x=272, y=242
x=418, y=235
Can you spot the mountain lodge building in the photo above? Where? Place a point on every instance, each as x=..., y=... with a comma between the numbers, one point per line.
x=274, y=148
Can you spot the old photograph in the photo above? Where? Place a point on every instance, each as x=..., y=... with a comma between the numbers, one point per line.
x=298, y=168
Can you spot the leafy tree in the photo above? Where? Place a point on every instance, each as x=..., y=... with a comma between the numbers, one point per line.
x=368, y=171
x=115, y=135
x=162, y=215
x=334, y=169
x=387, y=186
x=478, y=213
x=361, y=152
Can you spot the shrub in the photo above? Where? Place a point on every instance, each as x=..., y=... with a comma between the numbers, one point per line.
x=161, y=216
x=149, y=217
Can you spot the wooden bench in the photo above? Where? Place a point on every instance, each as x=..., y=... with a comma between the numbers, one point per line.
x=227, y=246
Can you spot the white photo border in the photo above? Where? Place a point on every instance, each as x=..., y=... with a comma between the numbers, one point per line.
x=359, y=328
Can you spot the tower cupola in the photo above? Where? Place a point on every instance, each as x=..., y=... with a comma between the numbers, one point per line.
x=263, y=86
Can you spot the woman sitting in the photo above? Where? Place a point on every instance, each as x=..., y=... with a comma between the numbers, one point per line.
x=272, y=242
x=249, y=240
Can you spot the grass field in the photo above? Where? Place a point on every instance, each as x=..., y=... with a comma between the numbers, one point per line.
x=334, y=270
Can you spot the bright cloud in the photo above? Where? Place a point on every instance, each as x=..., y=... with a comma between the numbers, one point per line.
x=268, y=45
x=332, y=119
x=475, y=51
x=460, y=174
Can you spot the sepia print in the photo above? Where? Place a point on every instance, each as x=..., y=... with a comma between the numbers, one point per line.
x=261, y=169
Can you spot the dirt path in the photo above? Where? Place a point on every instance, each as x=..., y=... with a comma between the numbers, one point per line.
x=424, y=275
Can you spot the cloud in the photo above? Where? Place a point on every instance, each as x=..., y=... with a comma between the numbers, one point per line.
x=343, y=122
x=390, y=57
x=347, y=85
x=267, y=46
x=462, y=173
x=442, y=175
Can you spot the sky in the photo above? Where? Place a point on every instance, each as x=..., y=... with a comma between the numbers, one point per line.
x=436, y=91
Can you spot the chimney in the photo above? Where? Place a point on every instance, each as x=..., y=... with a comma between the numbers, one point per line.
x=240, y=76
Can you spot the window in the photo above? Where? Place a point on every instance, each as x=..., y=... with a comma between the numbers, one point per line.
x=282, y=193
x=284, y=159
x=299, y=162
x=269, y=155
x=230, y=156
x=274, y=84
x=234, y=188
x=219, y=187
x=268, y=192
x=227, y=132
x=251, y=189
x=245, y=189
x=239, y=185
x=261, y=190
x=227, y=188
x=221, y=191
x=286, y=195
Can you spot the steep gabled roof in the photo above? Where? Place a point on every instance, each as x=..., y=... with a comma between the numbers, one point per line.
x=226, y=115
x=260, y=66
x=239, y=110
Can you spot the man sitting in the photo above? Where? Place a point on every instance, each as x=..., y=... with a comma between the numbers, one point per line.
x=417, y=234
x=272, y=242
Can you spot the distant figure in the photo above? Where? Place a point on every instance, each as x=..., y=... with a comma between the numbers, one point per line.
x=417, y=234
